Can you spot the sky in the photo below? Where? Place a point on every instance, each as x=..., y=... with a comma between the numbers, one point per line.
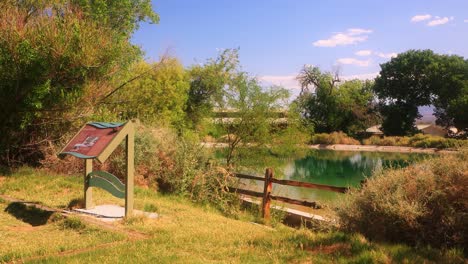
x=277, y=37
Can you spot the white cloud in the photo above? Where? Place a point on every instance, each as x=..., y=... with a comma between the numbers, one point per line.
x=358, y=31
x=353, y=61
x=363, y=52
x=466, y=20
x=351, y=36
x=364, y=76
x=386, y=55
x=376, y=53
x=287, y=81
x=439, y=21
x=419, y=18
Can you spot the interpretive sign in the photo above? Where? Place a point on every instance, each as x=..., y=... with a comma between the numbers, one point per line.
x=97, y=140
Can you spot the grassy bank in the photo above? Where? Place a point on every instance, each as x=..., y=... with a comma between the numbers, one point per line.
x=416, y=141
x=185, y=233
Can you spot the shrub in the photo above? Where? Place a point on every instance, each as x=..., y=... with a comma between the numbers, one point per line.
x=74, y=223
x=428, y=141
x=179, y=164
x=334, y=138
x=423, y=203
x=418, y=141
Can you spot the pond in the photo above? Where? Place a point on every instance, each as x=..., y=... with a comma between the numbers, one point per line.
x=337, y=168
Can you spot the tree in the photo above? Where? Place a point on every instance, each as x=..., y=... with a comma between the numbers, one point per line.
x=55, y=64
x=207, y=83
x=332, y=105
x=418, y=78
x=254, y=107
x=121, y=16
x=158, y=96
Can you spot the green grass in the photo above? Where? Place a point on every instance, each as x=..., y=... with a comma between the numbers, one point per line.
x=25, y=237
x=185, y=233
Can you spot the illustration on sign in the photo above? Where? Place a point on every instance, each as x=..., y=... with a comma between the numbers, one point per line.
x=89, y=142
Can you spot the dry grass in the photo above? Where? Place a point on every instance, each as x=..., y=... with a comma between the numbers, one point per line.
x=334, y=138
x=190, y=233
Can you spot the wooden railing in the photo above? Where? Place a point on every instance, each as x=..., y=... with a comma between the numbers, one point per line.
x=268, y=185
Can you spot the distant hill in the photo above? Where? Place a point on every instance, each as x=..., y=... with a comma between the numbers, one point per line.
x=427, y=115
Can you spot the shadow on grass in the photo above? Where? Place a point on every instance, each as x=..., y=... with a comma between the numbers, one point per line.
x=29, y=214
x=76, y=203
x=5, y=171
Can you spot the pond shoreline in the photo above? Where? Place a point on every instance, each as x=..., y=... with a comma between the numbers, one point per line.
x=376, y=148
x=343, y=147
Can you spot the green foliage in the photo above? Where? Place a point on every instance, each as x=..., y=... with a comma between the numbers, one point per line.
x=417, y=78
x=253, y=106
x=122, y=16
x=55, y=64
x=178, y=164
x=418, y=141
x=330, y=106
x=207, y=83
x=425, y=203
x=157, y=97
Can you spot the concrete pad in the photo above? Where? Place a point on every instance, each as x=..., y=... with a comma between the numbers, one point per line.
x=110, y=212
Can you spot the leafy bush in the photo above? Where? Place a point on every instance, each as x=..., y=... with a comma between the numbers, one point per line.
x=334, y=138
x=386, y=141
x=423, y=203
x=428, y=141
x=177, y=164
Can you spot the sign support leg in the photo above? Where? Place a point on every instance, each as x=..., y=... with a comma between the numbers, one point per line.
x=88, y=191
x=130, y=170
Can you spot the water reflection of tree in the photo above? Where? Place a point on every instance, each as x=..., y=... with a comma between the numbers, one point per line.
x=345, y=168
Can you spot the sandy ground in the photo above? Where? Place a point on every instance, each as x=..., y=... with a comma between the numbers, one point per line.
x=342, y=147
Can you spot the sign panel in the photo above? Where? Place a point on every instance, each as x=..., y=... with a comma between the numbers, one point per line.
x=92, y=139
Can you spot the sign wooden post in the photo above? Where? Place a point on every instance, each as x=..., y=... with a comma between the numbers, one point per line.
x=130, y=171
x=97, y=140
x=88, y=191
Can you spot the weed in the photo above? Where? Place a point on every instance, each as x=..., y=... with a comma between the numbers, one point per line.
x=73, y=223
x=149, y=207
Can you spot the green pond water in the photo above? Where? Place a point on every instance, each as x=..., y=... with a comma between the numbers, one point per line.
x=337, y=168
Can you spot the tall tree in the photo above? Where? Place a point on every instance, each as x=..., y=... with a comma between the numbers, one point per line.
x=158, y=96
x=332, y=105
x=418, y=78
x=254, y=106
x=207, y=83
x=54, y=65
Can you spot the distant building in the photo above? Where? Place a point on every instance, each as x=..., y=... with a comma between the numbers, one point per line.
x=431, y=129
x=374, y=130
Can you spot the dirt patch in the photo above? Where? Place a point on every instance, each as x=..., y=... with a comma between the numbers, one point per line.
x=342, y=248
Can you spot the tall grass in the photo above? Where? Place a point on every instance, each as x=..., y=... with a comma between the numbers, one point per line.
x=334, y=138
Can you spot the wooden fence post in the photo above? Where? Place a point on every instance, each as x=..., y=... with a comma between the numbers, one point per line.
x=266, y=194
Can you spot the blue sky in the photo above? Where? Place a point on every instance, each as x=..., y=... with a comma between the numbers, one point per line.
x=277, y=37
